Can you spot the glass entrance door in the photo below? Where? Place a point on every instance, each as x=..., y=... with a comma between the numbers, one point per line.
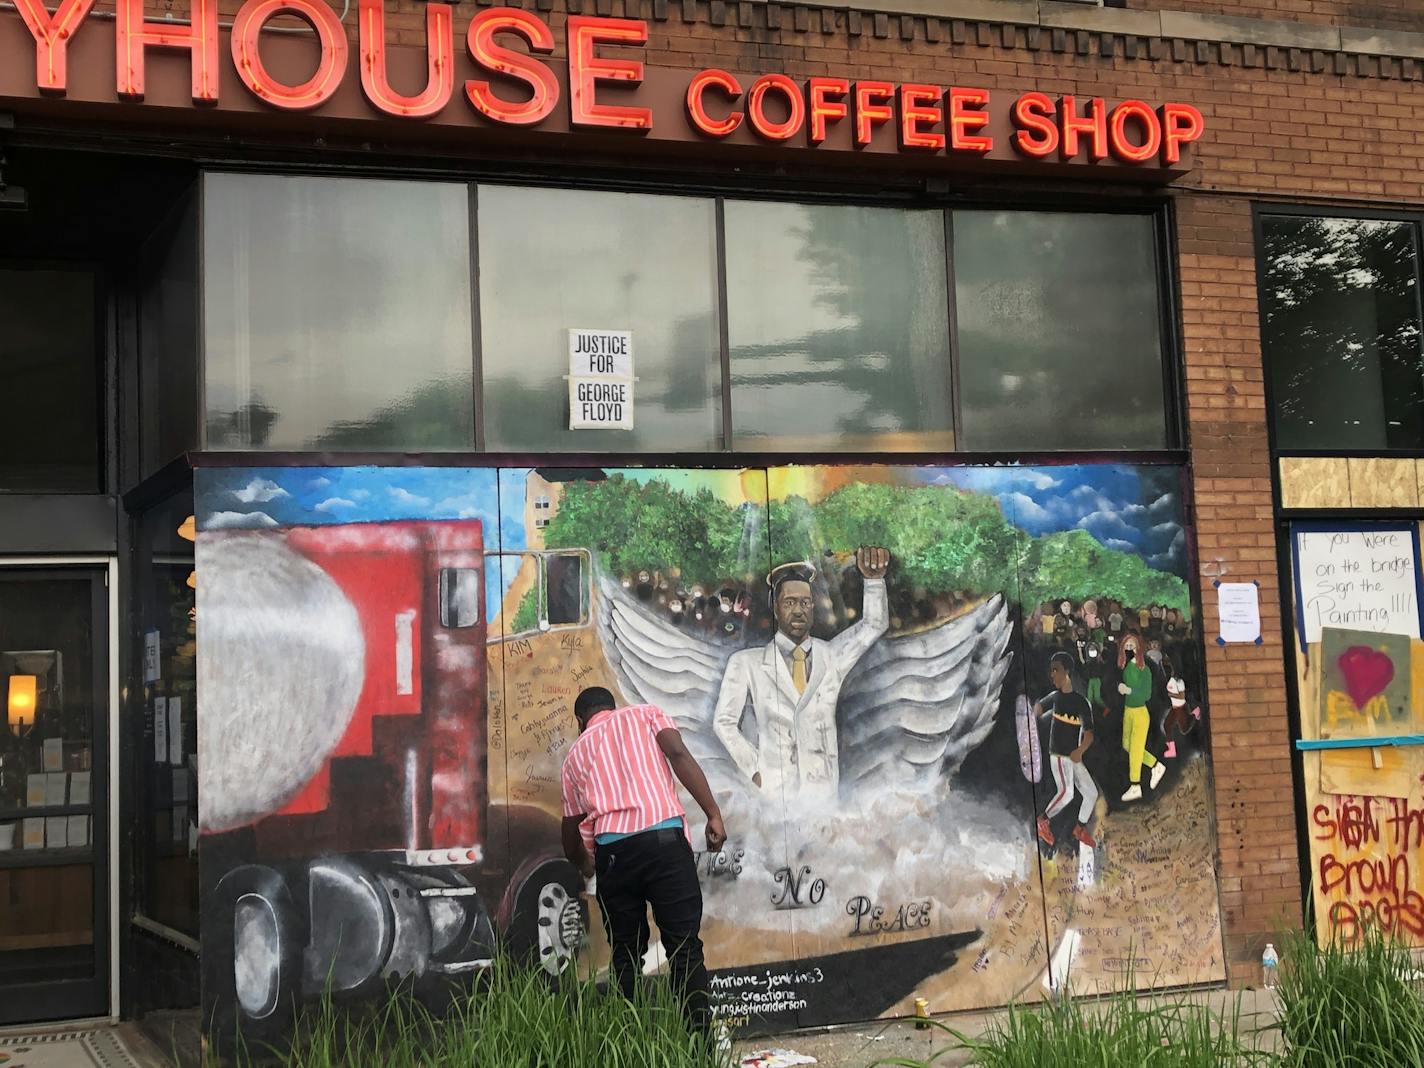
x=54, y=908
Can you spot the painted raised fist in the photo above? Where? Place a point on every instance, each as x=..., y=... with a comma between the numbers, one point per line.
x=872, y=561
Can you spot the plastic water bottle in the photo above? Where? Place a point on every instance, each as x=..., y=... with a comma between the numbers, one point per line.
x=1269, y=963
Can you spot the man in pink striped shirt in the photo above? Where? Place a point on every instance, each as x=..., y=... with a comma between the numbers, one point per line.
x=623, y=821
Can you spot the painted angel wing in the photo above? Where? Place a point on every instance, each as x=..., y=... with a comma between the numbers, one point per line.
x=916, y=706
x=657, y=664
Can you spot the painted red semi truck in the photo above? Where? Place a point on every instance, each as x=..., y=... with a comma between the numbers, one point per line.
x=345, y=782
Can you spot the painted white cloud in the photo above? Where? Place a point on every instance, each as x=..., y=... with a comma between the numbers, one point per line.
x=260, y=491
x=461, y=508
x=320, y=483
x=1021, y=508
x=403, y=496
x=1107, y=525
x=239, y=521
x=360, y=495
x=333, y=503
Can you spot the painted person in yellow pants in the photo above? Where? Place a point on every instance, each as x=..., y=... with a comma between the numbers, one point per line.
x=1136, y=690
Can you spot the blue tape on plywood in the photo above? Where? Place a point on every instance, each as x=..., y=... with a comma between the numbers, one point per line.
x=1381, y=742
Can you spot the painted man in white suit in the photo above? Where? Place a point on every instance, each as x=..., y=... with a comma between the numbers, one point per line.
x=794, y=682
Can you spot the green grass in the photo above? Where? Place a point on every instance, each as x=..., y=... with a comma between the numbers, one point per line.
x=1350, y=1008
x=1121, y=1031
x=513, y=1018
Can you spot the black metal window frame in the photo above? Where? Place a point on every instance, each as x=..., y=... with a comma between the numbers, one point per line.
x=1259, y=214
x=1155, y=206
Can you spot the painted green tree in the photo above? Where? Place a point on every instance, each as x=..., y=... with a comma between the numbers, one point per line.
x=942, y=541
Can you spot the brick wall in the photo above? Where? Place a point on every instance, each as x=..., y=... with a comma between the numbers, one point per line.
x=1385, y=14
x=1255, y=810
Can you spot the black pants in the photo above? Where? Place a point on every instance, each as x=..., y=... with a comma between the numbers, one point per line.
x=655, y=868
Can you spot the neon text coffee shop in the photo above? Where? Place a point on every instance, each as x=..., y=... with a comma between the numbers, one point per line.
x=378, y=376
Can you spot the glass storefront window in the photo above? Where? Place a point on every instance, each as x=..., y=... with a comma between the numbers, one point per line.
x=49, y=360
x=1340, y=328
x=336, y=314
x=552, y=260
x=838, y=326
x=1060, y=332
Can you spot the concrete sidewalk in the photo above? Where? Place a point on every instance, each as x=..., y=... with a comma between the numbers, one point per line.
x=863, y=1045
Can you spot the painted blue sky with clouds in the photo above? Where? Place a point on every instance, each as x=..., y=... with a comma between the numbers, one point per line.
x=1135, y=509
x=256, y=498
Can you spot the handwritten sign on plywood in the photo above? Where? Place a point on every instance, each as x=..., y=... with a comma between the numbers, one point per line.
x=1363, y=577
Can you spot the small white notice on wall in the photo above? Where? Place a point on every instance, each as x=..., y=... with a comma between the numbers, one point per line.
x=1357, y=577
x=151, y=669
x=1239, y=609
x=601, y=380
x=160, y=730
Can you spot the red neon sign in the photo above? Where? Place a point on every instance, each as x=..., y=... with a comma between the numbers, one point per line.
x=330, y=67
x=543, y=87
x=51, y=34
x=587, y=69
x=440, y=73
x=511, y=78
x=134, y=34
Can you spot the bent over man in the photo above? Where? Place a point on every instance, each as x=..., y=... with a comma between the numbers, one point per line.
x=624, y=822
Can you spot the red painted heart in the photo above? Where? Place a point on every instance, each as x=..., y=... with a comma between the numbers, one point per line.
x=1367, y=672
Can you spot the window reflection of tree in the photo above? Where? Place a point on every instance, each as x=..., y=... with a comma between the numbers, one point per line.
x=1059, y=330
x=1340, y=327
x=676, y=399
x=866, y=362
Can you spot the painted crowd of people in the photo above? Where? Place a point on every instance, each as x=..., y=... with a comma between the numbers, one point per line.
x=1106, y=661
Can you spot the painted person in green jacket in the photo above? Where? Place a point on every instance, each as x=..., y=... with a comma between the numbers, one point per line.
x=1136, y=690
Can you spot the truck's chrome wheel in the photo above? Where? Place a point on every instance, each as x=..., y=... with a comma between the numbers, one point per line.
x=560, y=928
x=257, y=955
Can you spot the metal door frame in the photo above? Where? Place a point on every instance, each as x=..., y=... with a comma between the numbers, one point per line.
x=110, y=726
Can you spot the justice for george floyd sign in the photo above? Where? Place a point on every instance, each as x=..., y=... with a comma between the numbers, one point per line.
x=600, y=380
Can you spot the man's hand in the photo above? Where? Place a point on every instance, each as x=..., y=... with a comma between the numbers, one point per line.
x=873, y=562
x=716, y=833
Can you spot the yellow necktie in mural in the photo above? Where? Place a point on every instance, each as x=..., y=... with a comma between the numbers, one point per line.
x=798, y=669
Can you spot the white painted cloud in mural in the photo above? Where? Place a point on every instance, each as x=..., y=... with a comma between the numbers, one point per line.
x=260, y=491
x=401, y=495
x=333, y=503
x=238, y=521
x=281, y=661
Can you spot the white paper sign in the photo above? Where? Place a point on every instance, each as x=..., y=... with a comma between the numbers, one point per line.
x=601, y=380
x=175, y=730
x=79, y=788
x=160, y=730
x=1239, y=607
x=52, y=754
x=1357, y=580
x=151, y=670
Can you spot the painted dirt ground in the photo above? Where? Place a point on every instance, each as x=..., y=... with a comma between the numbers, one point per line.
x=906, y=804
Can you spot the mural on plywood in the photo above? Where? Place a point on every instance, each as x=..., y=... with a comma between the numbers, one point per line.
x=953, y=717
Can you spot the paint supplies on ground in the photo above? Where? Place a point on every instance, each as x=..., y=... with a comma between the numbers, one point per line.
x=775, y=1058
